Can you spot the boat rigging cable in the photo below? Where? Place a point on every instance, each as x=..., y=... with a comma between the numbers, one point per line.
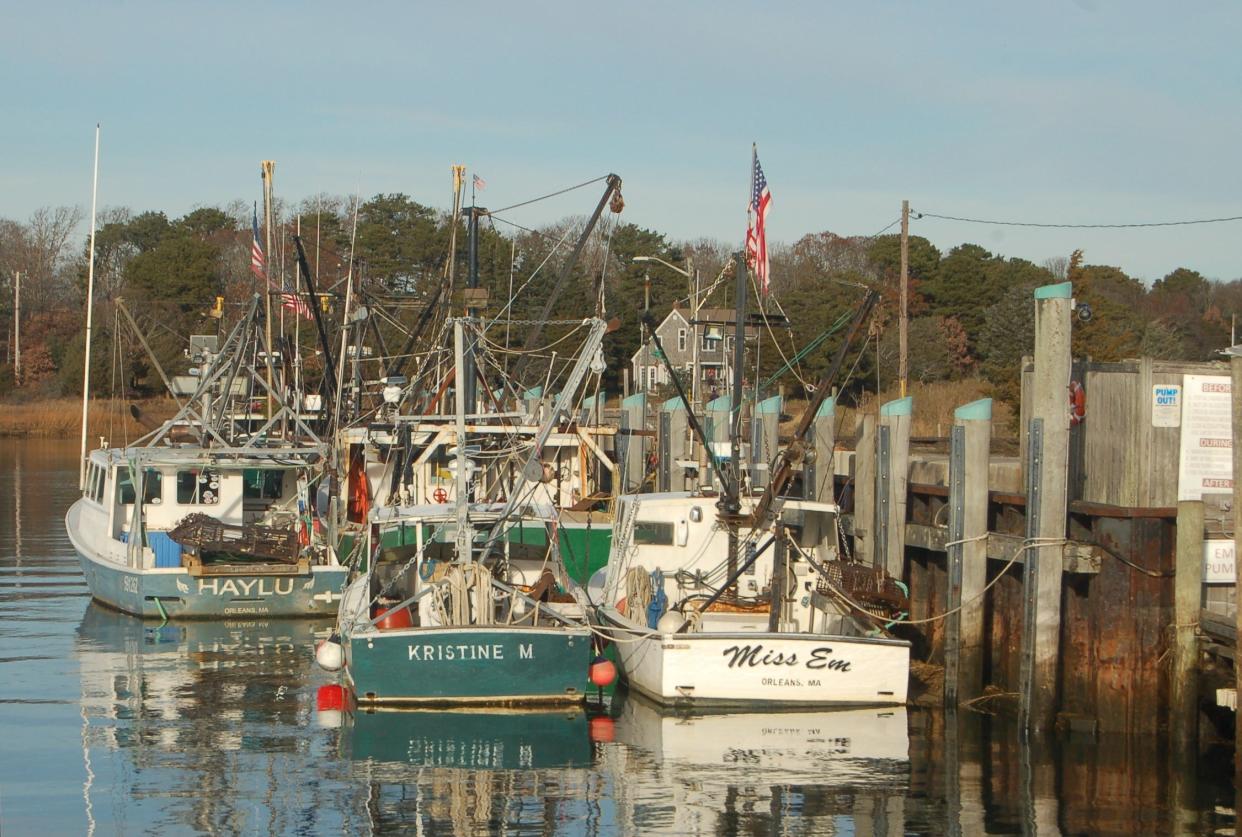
x=611, y=197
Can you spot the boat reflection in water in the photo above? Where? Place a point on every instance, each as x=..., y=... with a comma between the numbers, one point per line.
x=473, y=739
x=472, y=771
x=184, y=725
x=832, y=771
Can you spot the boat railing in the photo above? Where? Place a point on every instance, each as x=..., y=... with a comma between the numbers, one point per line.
x=537, y=608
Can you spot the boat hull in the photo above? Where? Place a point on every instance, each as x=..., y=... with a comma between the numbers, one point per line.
x=754, y=668
x=176, y=594
x=494, y=665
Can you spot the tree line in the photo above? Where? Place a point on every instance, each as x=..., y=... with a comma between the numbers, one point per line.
x=971, y=310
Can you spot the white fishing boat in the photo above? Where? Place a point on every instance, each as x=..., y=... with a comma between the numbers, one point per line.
x=669, y=559
x=700, y=615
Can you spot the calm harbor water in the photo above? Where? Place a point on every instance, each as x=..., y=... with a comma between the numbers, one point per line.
x=109, y=725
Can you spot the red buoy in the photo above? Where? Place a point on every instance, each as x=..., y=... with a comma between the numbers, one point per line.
x=391, y=620
x=603, y=672
x=330, y=698
x=602, y=730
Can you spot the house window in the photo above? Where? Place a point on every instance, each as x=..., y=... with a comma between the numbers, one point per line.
x=681, y=339
x=711, y=344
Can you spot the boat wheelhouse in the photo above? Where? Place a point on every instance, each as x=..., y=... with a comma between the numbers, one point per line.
x=204, y=533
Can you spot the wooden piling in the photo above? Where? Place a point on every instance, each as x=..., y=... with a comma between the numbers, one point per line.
x=716, y=428
x=864, y=491
x=765, y=439
x=1187, y=597
x=634, y=460
x=968, y=524
x=893, y=472
x=819, y=475
x=673, y=445
x=1047, y=471
x=532, y=400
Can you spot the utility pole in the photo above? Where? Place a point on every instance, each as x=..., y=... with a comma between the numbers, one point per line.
x=644, y=374
x=694, y=333
x=17, y=328
x=904, y=371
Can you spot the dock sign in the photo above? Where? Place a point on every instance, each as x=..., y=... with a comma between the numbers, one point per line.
x=1205, y=461
x=1218, y=562
x=1166, y=405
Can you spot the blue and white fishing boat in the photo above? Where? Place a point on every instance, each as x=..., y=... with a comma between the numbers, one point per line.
x=208, y=517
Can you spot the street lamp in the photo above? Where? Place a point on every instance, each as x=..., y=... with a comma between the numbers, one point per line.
x=693, y=276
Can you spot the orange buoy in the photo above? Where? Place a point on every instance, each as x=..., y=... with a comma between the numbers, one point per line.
x=603, y=672
x=602, y=730
x=392, y=620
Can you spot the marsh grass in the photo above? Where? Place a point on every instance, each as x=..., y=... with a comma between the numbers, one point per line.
x=933, y=408
x=62, y=418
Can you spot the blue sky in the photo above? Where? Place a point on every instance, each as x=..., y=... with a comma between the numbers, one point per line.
x=1077, y=112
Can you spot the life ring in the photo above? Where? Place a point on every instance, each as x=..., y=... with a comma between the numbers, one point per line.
x=1077, y=403
x=440, y=495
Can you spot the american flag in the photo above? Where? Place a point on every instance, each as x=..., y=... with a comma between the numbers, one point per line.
x=479, y=183
x=756, y=218
x=294, y=302
x=258, y=264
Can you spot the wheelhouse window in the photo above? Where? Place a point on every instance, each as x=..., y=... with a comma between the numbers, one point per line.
x=654, y=532
x=198, y=487
x=97, y=490
x=153, y=487
x=263, y=484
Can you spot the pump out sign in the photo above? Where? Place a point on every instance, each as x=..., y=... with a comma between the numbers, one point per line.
x=1166, y=405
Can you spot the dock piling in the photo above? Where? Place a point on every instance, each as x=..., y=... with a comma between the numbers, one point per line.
x=1047, y=505
x=892, y=484
x=970, y=443
x=864, y=492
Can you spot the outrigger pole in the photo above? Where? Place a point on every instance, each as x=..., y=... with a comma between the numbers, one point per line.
x=90, y=299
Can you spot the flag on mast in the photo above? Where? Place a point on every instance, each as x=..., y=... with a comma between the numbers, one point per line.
x=756, y=220
x=479, y=183
x=258, y=264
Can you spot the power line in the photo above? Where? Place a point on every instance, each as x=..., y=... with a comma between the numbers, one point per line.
x=886, y=229
x=919, y=215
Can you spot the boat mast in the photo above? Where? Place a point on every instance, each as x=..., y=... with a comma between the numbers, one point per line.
x=90, y=298
x=465, y=537
x=731, y=500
